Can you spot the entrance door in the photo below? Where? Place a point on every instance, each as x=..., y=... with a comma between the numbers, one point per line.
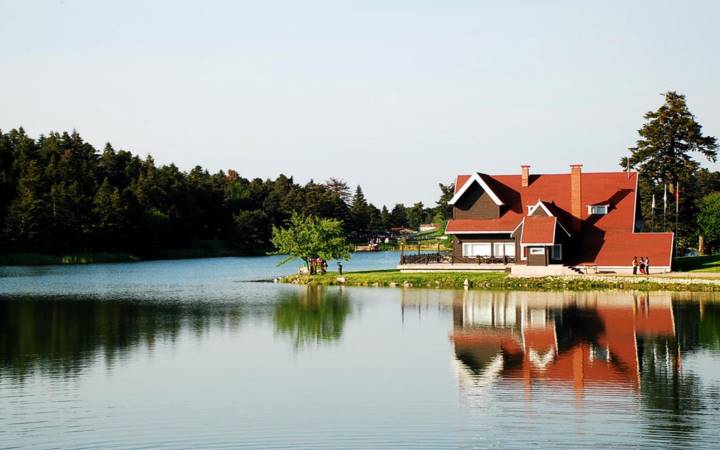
x=537, y=256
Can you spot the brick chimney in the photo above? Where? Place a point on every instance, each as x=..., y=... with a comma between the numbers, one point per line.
x=576, y=196
x=525, y=175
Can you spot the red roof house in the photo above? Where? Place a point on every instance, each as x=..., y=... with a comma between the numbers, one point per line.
x=575, y=219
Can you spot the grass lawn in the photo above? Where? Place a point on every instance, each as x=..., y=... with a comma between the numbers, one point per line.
x=392, y=276
x=697, y=263
x=492, y=280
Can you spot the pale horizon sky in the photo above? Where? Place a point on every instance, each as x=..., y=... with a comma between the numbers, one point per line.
x=396, y=96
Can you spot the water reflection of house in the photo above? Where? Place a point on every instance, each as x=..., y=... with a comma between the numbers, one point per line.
x=583, y=338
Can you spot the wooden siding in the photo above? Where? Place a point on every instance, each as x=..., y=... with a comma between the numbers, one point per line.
x=539, y=211
x=538, y=260
x=476, y=204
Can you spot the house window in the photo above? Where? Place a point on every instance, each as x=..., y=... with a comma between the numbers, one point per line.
x=504, y=249
x=598, y=209
x=476, y=249
x=557, y=251
x=537, y=250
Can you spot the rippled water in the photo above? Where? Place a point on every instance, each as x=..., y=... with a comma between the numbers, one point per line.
x=185, y=354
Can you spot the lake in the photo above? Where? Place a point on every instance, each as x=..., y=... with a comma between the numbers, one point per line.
x=194, y=354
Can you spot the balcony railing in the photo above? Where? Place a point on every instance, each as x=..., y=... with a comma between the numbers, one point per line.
x=449, y=258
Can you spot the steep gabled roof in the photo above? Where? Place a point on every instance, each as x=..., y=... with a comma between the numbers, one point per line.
x=479, y=179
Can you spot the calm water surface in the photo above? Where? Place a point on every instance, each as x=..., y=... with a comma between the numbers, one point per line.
x=188, y=354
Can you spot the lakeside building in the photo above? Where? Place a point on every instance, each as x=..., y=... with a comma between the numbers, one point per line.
x=554, y=223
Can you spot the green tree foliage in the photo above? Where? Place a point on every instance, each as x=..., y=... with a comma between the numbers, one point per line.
x=663, y=155
x=359, y=214
x=27, y=214
x=375, y=220
x=385, y=218
x=340, y=188
x=58, y=193
x=415, y=215
x=309, y=237
x=110, y=212
x=443, y=210
x=708, y=219
x=398, y=216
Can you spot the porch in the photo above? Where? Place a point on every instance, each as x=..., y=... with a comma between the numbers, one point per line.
x=446, y=261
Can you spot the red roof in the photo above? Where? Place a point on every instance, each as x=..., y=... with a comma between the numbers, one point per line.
x=505, y=224
x=538, y=230
x=607, y=240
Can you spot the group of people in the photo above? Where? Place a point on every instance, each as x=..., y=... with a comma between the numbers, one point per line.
x=318, y=266
x=643, y=264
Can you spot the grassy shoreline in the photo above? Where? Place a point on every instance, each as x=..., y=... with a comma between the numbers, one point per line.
x=709, y=263
x=498, y=280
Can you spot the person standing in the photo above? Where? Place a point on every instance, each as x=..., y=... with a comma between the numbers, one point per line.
x=647, y=265
x=634, y=265
x=642, y=265
x=339, y=268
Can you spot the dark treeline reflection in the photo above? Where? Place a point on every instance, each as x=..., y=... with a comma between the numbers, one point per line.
x=62, y=336
x=665, y=386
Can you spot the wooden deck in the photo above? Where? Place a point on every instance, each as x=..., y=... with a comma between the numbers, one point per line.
x=457, y=267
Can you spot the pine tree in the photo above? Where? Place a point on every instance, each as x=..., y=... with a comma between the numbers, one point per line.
x=110, y=212
x=671, y=134
x=27, y=213
x=664, y=156
x=385, y=218
x=443, y=211
x=375, y=222
x=398, y=217
x=359, y=214
x=339, y=187
x=415, y=215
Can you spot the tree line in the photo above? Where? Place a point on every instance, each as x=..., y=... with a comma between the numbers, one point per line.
x=58, y=193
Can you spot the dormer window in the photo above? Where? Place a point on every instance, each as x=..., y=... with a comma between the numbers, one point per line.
x=599, y=210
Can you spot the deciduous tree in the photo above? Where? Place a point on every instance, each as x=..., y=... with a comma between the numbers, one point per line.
x=310, y=237
x=708, y=219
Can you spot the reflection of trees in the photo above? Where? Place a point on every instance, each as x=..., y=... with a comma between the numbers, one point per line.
x=709, y=331
x=61, y=336
x=698, y=326
x=665, y=387
x=312, y=316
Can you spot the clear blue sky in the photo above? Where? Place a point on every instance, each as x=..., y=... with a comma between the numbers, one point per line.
x=394, y=95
